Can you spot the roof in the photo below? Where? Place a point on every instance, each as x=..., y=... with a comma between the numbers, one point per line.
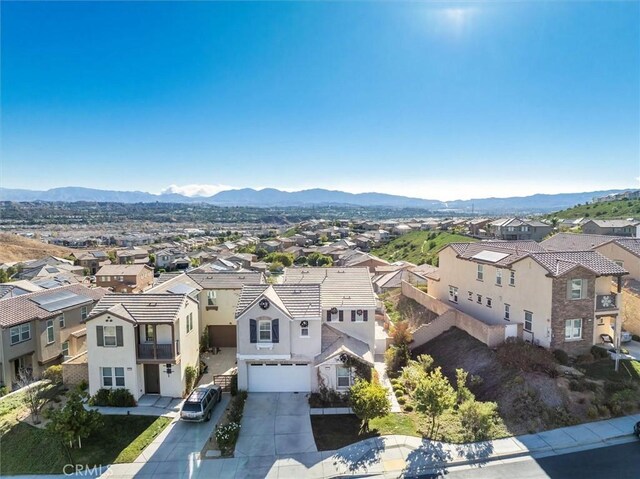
x=335, y=343
x=297, y=300
x=632, y=245
x=121, y=269
x=226, y=279
x=26, y=307
x=147, y=308
x=561, y=262
x=339, y=287
x=509, y=251
x=177, y=284
x=614, y=223
x=575, y=242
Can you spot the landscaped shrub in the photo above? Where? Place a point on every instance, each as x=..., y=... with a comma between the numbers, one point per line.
x=53, y=374
x=101, y=398
x=396, y=358
x=233, y=386
x=518, y=354
x=585, y=358
x=121, y=397
x=401, y=401
x=561, y=356
x=237, y=406
x=408, y=407
x=3, y=391
x=622, y=401
x=477, y=419
x=190, y=374
x=399, y=393
x=592, y=412
x=226, y=437
x=599, y=353
x=83, y=385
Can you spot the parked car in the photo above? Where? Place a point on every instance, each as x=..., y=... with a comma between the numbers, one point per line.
x=625, y=336
x=636, y=429
x=200, y=403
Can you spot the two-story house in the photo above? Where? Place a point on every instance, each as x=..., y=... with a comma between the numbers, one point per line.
x=562, y=299
x=36, y=328
x=91, y=261
x=132, y=255
x=298, y=336
x=516, y=229
x=171, y=259
x=125, y=278
x=612, y=227
x=142, y=342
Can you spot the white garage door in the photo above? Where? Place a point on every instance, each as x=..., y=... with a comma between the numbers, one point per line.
x=266, y=378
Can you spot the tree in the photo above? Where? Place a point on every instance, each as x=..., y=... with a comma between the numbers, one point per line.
x=477, y=419
x=462, y=393
x=400, y=334
x=369, y=400
x=152, y=258
x=434, y=395
x=112, y=257
x=286, y=259
x=319, y=259
x=73, y=421
x=276, y=267
x=261, y=253
x=34, y=394
x=4, y=276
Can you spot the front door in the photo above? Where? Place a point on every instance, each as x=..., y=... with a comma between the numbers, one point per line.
x=152, y=378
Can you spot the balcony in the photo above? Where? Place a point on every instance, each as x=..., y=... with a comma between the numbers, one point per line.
x=606, y=302
x=149, y=352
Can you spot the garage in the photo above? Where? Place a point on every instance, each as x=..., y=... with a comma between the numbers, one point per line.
x=222, y=336
x=283, y=377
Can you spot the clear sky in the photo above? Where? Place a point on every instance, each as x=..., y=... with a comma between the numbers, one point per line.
x=433, y=100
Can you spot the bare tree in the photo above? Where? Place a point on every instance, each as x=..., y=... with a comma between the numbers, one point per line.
x=34, y=393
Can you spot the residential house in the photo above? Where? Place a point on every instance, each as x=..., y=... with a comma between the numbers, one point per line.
x=612, y=227
x=18, y=288
x=516, y=229
x=132, y=255
x=171, y=259
x=354, y=259
x=91, y=261
x=125, y=278
x=271, y=246
x=143, y=342
x=562, y=300
x=36, y=328
x=300, y=335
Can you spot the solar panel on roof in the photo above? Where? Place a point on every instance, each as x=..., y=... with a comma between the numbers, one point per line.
x=490, y=256
x=53, y=296
x=65, y=303
x=181, y=288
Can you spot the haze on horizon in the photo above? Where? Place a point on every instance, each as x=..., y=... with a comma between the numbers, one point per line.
x=427, y=100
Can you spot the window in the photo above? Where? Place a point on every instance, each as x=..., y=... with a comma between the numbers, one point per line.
x=189, y=322
x=65, y=348
x=344, y=377
x=211, y=298
x=304, y=331
x=83, y=313
x=61, y=319
x=148, y=332
x=50, y=333
x=498, y=277
x=109, y=335
x=512, y=278
x=20, y=333
x=488, y=302
x=470, y=296
x=528, y=320
x=576, y=289
x=479, y=299
x=525, y=228
x=507, y=312
x=573, y=329
x=480, y=276
x=453, y=294
x=112, y=377
x=264, y=331
x=106, y=278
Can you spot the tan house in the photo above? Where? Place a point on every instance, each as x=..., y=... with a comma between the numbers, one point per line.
x=132, y=255
x=562, y=299
x=612, y=227
x=91, y=261
x=125, y=278
x=37, y=329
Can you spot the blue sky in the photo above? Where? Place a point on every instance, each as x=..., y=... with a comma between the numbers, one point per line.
x=434, y=100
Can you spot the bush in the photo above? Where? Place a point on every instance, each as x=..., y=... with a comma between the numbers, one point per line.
x=399, y=393
x=226, y=437
x=190, y=374
x=119, y=397
x=518, y=354
x=592, y=412
x=234, y=385
x=603, y=410
x=561, y=356
x=396, y=358
x=101, y=398
x=408, y=407
x=585, y=358
x=3, y=391
x=401, y=401
x=237, y=406
x=83, y=385
x=599, y=353
x=622, y=401
x=369, y=401
x=477, y=419
x=53, y=374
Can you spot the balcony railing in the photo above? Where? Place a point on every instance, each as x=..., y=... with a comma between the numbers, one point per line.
x=152, y=351
x=606, y=302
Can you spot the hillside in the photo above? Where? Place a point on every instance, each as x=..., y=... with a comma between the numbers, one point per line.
x=606, y=210
x=418, y=247
x=18, y=248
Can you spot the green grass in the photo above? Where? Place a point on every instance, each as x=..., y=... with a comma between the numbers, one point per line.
x=607, y=210
x=418, y=247
x=403, y=424
x=28, y=450
x=604, y=369
x=13, y=407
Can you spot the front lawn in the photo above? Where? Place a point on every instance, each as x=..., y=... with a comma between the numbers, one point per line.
x=28, y=450
x=338, y=430
x=604, y=369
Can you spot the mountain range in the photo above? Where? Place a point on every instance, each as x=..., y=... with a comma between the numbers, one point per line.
x=270, y=197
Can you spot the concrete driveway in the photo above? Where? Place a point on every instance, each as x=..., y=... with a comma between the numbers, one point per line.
x=275, y=424
x=634, y=348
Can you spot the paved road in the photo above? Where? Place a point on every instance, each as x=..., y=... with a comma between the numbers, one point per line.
x=613, y=462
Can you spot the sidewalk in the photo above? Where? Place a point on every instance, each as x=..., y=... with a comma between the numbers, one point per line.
x=388, y=456
x=148, y=405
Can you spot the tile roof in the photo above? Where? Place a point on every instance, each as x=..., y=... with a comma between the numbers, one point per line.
x=23, y=308
x=632, y=245
x=339, y=287
x=298, y=300
x=514, y=250
x=226, y=279
x=561, y=262
x=615, y=223
x=121, y=269
x=335, y=342
x=158, y=308
x=575, y=242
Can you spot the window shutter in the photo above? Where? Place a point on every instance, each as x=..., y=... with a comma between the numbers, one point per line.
x=329, y=315
x=341, y=315
x=275, y=331
x=119, y=338
x=253, y=333
x=353, y=315
x=100, y=336
x=365, y=315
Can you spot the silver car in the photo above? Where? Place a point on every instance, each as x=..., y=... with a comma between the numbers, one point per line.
x=200, y=403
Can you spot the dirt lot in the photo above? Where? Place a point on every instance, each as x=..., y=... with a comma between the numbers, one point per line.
x=17, y=248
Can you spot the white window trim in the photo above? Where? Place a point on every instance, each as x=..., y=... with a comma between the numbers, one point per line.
x=51, y=327
x=453, y=294
x=265, y=341
x=480, y=273
x=84, y=313
x=573, y=329
x=338, y=376
x=507, y=312
x=512, y=278
x=525, y=321
x=63, y=348
x=105, y=336
x=571, y=289
x=62, y=321
x=113, y=377
x=21, y=330
x=498, y=277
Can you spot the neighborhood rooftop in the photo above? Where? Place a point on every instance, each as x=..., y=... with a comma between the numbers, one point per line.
x=158, y=308
x=300, y=301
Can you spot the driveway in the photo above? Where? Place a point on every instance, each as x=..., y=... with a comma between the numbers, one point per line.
x=633, y=347
x=275, y=424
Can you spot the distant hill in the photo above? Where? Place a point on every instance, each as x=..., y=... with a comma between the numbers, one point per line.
x=618, y=209
x=18, y=248
x=418, y=247
x=270, y=197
